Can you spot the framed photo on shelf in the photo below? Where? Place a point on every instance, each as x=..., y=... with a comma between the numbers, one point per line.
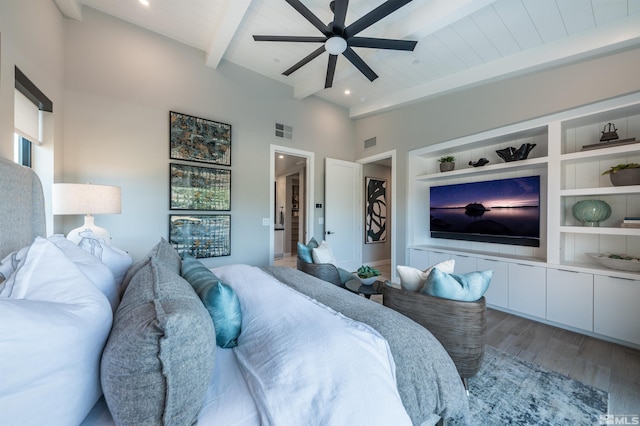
x=198, y=139
x=201, y=235
x=375, y=222
x=199, y=188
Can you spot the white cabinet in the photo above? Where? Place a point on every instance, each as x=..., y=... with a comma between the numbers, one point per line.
x=464, y=264
x=570, y=298
x=497, y=294
x=616, y=312
x=437, y=257
x=528, y=289
x=418, y=259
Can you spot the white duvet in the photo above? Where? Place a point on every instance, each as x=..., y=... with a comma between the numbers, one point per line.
x=307, y=364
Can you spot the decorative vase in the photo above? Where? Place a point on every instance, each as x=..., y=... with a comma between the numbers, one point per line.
x=591, y=212
x=447, y=166
x=625, y=177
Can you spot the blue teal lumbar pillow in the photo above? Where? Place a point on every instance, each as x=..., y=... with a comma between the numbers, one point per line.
x=463, y=287
x=305, y=251
x=221, y=301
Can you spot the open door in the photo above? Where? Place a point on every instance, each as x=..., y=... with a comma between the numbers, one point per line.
x=343, y=207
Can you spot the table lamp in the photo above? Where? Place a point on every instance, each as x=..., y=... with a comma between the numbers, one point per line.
x=87, y=199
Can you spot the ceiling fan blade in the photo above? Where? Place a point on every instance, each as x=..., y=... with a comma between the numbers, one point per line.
x=331, y=70
x=309, y=16
x=374, y=16
x=299, y=39
x=360, y=64
x=339, y=15
x=382, y=43
x=319, y=51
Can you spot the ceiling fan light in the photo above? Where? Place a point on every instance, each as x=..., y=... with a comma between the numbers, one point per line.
x=335, y=45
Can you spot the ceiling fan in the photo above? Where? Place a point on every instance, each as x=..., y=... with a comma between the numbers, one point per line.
x=339, y=39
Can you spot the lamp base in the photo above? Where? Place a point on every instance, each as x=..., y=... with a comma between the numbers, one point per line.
x=89, y=225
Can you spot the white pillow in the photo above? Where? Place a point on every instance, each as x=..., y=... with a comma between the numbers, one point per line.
x=91, y=266
x=53, y=329
x=10, y=263
x=413, y=279
x=323, y=254
x=117, y=260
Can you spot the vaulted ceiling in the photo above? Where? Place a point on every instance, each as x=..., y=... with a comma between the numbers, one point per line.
x=460, y=42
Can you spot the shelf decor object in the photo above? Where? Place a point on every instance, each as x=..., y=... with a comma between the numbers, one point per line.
x=624, y=174
x=447, y=163
x=609, y=133
x=513, y=154
x=621, y=262
x=591, y=212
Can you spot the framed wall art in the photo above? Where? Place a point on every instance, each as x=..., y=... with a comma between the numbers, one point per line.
x=198, y=139
x=201, y=235
x=375, y=225
x=199, y=188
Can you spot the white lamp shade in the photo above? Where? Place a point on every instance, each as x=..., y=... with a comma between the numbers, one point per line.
x=75, y=198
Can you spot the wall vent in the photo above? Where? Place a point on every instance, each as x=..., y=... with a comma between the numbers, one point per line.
x=283, y=131
x=370, y=143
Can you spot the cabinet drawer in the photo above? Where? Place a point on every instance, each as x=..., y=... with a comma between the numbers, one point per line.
x=498, y=292
x=528, y=289
x=616, y=312
x=570, y=298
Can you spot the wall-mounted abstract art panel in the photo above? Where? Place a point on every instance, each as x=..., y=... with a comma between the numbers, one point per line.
x=199, y=188
x=201, y=235
x=375, y=225
x=198, y=139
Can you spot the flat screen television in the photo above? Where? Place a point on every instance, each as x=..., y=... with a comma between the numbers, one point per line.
x=503, y=211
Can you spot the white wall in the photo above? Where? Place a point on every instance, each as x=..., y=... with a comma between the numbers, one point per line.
x=121, y=81
x=32, y=38
x=472, y=110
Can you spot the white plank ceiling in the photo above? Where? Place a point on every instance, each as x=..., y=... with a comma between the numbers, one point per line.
x=460, y=42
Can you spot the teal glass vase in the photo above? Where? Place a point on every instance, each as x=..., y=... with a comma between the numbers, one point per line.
x=591, y=212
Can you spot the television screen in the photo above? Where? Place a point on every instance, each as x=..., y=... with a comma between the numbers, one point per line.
x=504, y=211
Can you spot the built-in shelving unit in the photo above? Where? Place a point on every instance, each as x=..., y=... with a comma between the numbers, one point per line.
x=568, y=175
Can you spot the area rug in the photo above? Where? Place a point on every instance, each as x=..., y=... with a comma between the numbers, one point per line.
x=510, y=391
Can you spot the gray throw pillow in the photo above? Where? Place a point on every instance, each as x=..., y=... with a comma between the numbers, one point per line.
x=158, y=360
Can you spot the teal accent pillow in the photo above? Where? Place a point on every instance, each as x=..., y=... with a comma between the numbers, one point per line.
x=346, y=275
x=463, y=287
x=305, y=251
x=221, y=301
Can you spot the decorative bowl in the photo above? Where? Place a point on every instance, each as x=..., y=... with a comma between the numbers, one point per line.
x=591, y=212
x=368, y=281
x=513, y=154
x=632, y=265
x=625, y=177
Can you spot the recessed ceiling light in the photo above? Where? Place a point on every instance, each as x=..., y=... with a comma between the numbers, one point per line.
x=363, y=99
x=144, y=2
x=415, y=62
x=276, y=60
x=280, y=156
x=347, y=92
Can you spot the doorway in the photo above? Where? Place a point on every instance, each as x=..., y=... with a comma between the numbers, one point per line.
x=291, y=200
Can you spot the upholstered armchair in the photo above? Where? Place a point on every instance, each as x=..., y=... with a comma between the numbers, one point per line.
x=459, y=326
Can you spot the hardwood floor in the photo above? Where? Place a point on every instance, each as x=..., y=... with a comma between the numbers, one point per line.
x=607, y=366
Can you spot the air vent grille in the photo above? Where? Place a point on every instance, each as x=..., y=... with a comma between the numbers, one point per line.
x=283, y=131
x=370, y=143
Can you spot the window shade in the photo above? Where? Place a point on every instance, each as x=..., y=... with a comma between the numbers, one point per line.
x=26, y=118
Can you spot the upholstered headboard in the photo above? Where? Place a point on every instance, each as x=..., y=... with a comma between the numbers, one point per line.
x=21, y=207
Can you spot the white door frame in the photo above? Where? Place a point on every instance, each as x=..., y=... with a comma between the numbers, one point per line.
x=309, y=191
x=394, y=179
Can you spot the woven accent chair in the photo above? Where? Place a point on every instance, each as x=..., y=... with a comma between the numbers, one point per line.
x=459, y=326
x=324, y=271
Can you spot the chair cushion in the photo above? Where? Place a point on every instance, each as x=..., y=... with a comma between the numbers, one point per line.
x=304, y=251
x=346, y=275
x=323, y=254
x=413, y=279
x=220, y=300
x=463, y=287
x=158, y=361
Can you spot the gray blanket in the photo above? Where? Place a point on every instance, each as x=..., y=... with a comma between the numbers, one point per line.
x=428, y=381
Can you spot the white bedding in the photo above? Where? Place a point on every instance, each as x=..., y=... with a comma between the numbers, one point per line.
x=307, y=364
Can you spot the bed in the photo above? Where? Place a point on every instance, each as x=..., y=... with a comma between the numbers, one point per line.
x=308, y=351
